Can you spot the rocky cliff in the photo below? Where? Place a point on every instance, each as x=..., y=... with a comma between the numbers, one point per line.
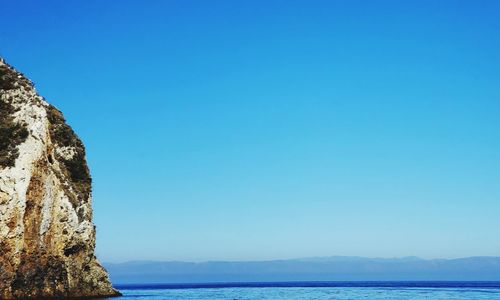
x=47, y=237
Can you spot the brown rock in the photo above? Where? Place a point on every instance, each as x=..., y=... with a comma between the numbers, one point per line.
x=47, y=237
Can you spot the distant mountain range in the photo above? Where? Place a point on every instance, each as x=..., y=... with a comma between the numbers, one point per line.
x=336, y=268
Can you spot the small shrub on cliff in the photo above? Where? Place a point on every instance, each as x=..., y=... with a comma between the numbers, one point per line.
x=11, y=135
x=11, y=79
x=76, y=167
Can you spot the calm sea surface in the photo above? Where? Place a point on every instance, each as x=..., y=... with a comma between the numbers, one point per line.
x=317, y=291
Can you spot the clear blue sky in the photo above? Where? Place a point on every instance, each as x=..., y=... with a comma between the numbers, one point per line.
x=275, y=129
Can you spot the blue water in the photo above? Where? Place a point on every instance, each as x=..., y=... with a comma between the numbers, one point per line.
x=317, y=291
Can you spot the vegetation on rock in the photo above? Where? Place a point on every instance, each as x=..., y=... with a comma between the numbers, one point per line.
x=75, y=166
x=11, y=133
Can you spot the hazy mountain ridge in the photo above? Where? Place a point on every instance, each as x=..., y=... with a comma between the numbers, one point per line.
x=335, y=268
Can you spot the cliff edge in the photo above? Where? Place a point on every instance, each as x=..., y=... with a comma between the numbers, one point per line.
x=47, y=237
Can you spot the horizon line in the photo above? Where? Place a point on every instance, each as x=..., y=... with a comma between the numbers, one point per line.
x=299, y=258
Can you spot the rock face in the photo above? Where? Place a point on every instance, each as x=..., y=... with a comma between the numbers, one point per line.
x=47, y=237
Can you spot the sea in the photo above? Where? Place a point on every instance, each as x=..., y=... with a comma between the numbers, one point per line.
x=316, y=291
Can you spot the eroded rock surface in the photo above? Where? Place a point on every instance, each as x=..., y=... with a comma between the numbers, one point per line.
x=47, y=237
